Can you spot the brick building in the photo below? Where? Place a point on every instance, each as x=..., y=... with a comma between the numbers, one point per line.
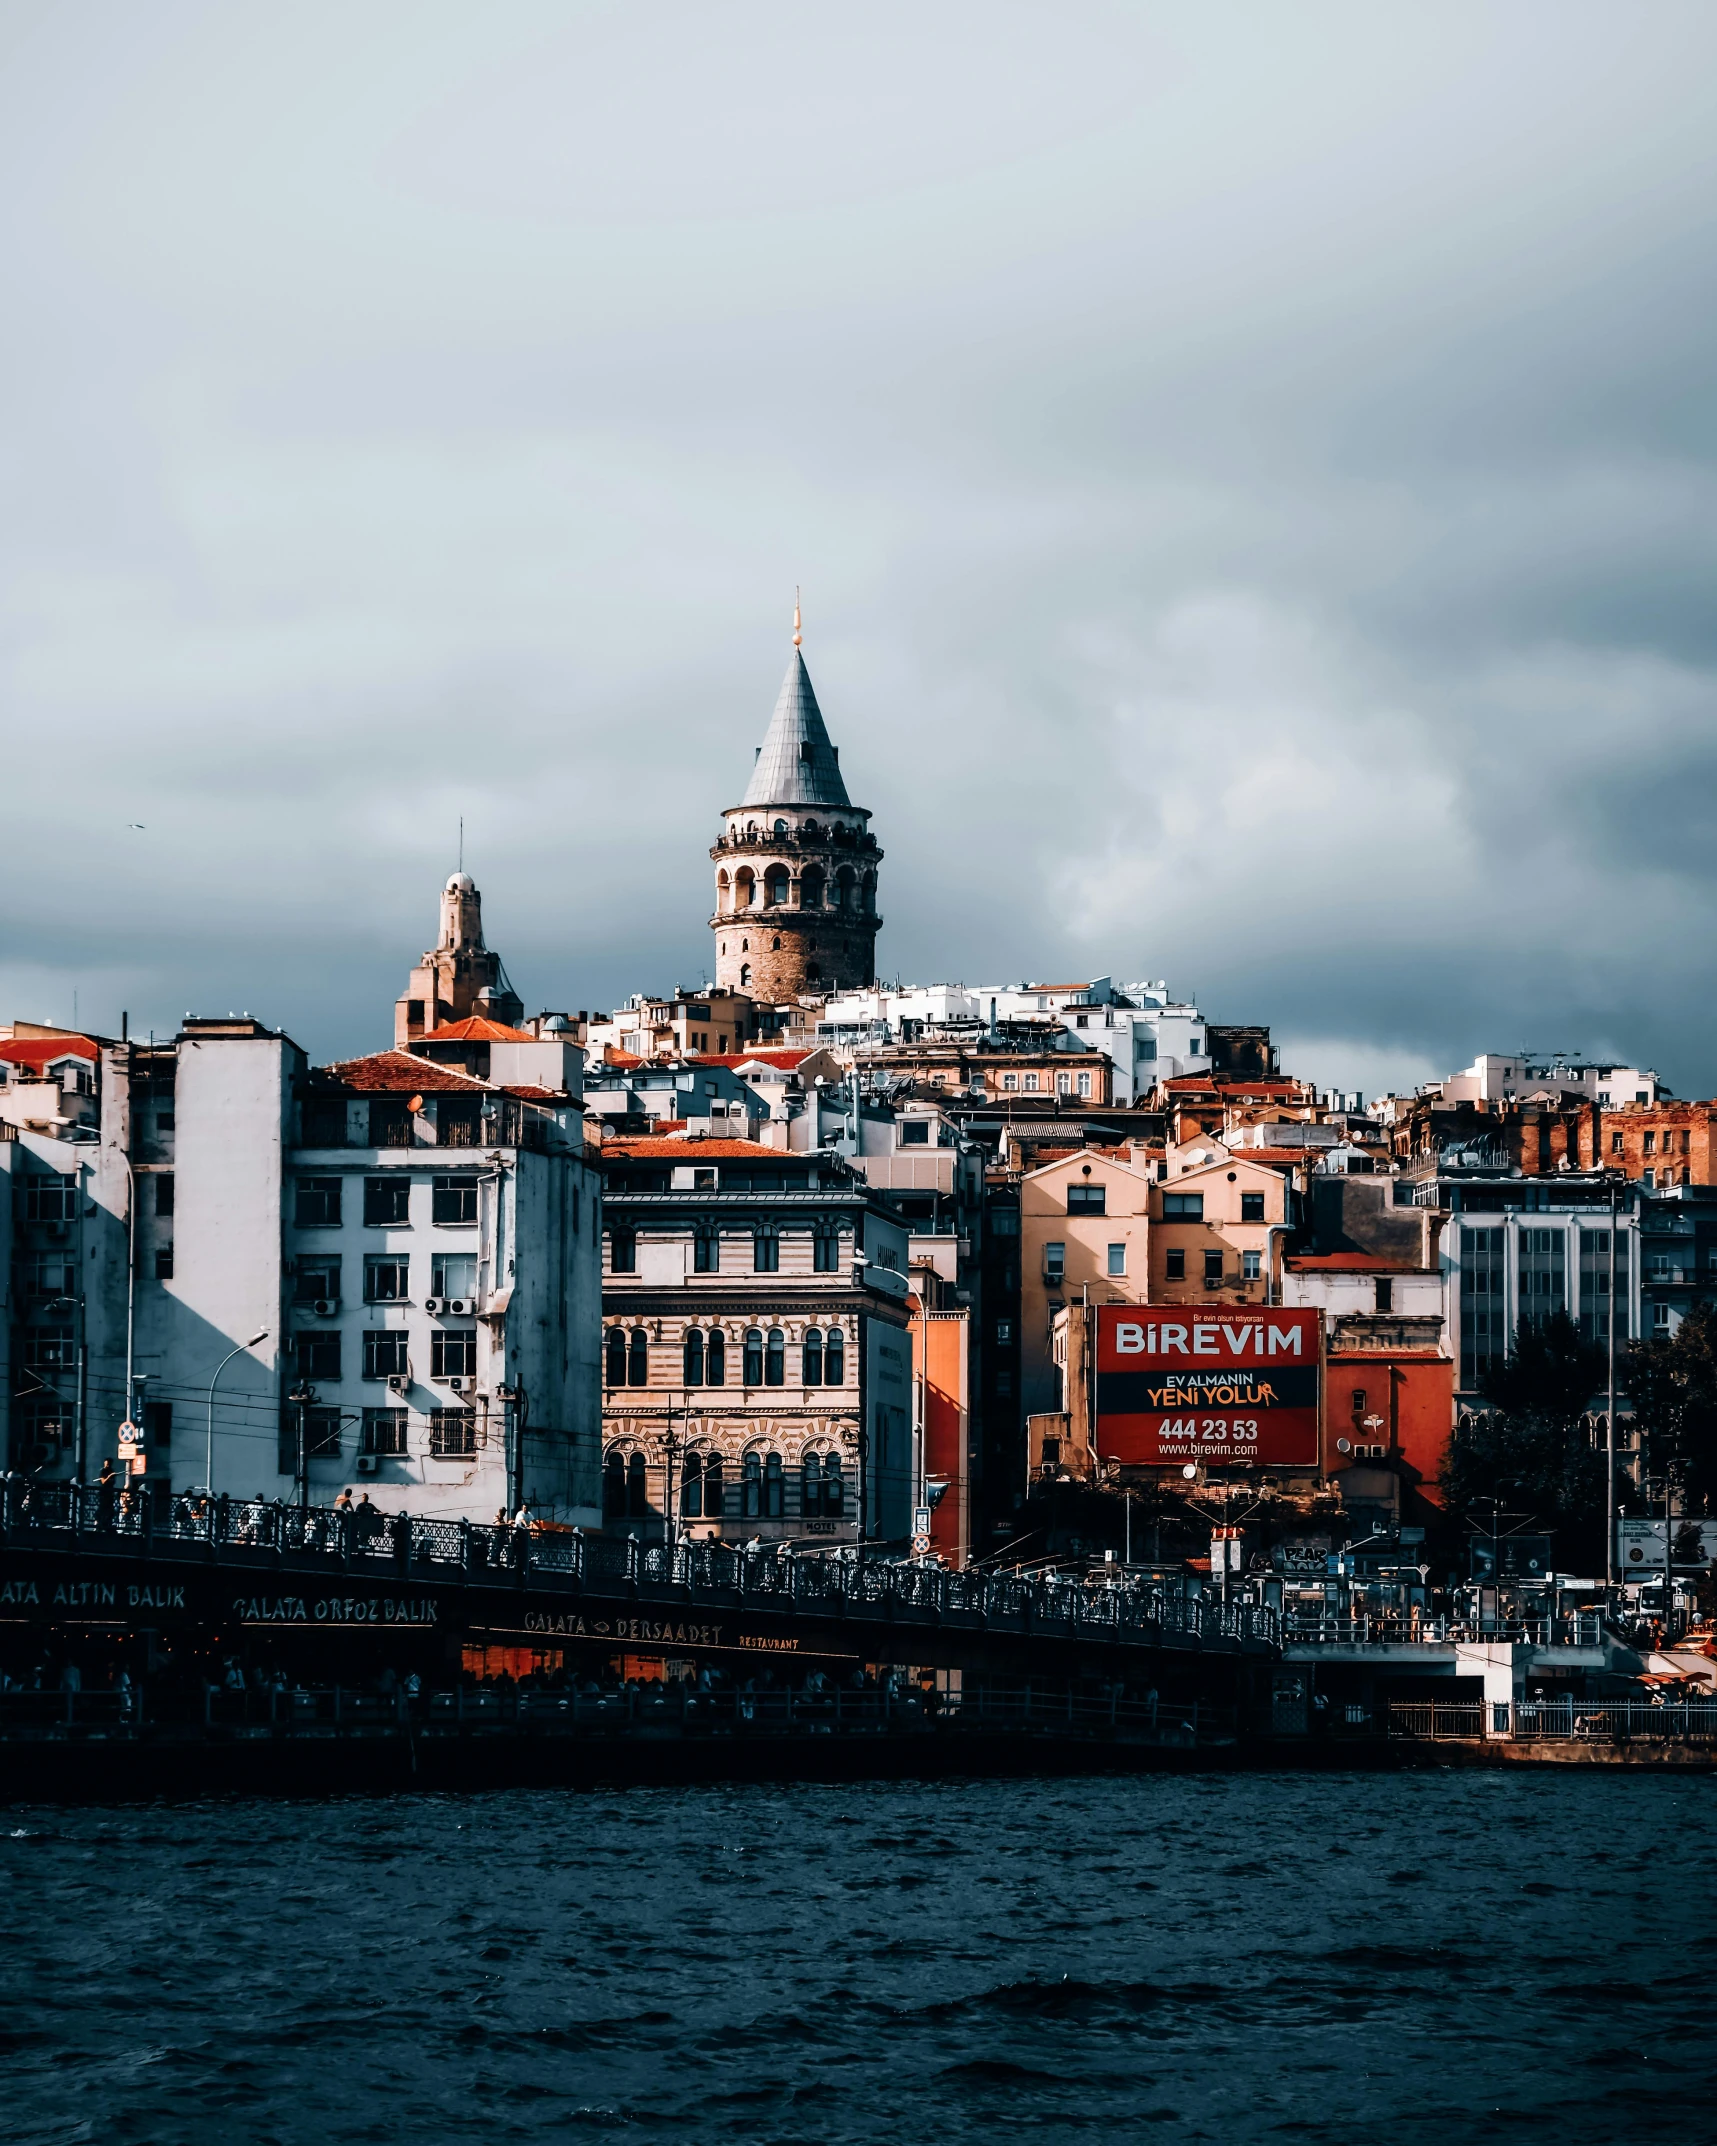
x=1662, y=1144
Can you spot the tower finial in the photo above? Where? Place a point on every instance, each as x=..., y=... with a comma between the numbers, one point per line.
x=798, y=630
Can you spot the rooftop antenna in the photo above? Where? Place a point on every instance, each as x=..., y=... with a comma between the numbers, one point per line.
x=798, y=629
x=462, y=842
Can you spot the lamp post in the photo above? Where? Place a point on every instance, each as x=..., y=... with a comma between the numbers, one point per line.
x=301, y=1397
x=1610, y=1410
x=209, y=1456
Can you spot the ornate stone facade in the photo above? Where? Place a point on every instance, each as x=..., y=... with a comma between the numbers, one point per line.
x=796, y=864
x=458, y=976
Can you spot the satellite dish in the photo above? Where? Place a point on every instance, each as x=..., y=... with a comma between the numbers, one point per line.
x=1190, y=1471
x=416, y=1103
x=1344, y=1445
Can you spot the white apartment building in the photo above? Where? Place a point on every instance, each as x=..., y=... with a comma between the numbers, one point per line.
x=1147, y=1034
x=386, y=1271
x=1496, y=1078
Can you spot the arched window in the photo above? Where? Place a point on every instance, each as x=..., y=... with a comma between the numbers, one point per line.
x=835, y=1358
x=813, y=1364
x=775, y=943
x=692, y=1358
x=714, y=1492
x=775, y=886
x=775, y=1359
x=765, y=1250
x=867, y=892
x=834, y=1489
x=616, y=1357
x=723, y=892
x=638, y=1358
x=753, y=1356
x=780, y=829
x=810, y=830
x=691, y=1487
x=844, y=885
x=811, y=887
x=774, y=1487
x=745, y=975
x=715, y=1358
x=637, y=1490
x=744, y=888
x=751, y=1487
x=810, y=1488
x=614, y=1488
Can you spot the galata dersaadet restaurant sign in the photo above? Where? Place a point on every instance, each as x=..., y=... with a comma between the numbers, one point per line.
x=1201, y=1382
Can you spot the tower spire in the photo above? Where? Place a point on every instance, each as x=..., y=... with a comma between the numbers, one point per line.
x=798, y=629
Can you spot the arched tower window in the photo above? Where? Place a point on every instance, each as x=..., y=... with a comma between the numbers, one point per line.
x=745, y=976
x=638, y=1358
x=692, y=1355
x=715, y=1358
x=834, y=1358
x=813, y=1357
x=775, y=886
x=616, y=1357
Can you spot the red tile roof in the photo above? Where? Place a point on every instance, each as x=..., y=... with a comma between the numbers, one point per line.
x=478, y=1029
x=1276, y=1158
x=399, y=1073
x=692, y=1150
x=785, y=1061
x=1349, y=1263
x=40, y=1051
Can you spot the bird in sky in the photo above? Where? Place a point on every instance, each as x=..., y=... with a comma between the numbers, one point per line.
x=138, y=824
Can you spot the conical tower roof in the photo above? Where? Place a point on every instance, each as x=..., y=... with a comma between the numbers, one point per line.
x=796, y=764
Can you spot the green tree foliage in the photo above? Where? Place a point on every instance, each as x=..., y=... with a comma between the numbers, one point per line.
x=1533, y=1453
x=1673, y=1386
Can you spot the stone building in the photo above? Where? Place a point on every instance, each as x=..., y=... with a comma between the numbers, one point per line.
x=757, y=1364
x=458, y=976
x=795, y=867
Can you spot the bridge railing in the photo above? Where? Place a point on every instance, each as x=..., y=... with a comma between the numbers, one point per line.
x=408, y=1543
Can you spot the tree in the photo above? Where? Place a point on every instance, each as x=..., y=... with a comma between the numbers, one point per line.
x=1533, y=1451
x=1673, y=1386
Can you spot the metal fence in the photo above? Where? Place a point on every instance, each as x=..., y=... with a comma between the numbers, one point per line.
x=1435, y=1719
x=1615, y=1721
x=359, y=1537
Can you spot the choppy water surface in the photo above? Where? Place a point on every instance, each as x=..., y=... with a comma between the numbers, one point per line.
x=1441, y=1957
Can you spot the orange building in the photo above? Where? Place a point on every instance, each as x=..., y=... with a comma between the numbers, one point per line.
x=1662, y=1144
x=941, y=1360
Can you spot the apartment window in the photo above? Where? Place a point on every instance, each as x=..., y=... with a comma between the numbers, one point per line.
x=765, y=1252
x=826, y=1252
x=775, y=1358
x=1117, y=1259
x=385, y=1354
x=1213, y=1266
x=318, y=1355
x=1087, y=1199
x=1251, y=1207
x=691, y=1357
x=321, y=1434
x=318, y=1203
x=1687, y=1143
x=1004, y=1382
x=390, y=1124
x=1010, y=1083
x=49, y=1348
x=50, y=1199
x=622, y=1251
x=616, y=1356
x=1174, y=1269
x=834, y=1358
x=458, y=1122
x=453, y=1353
x=316, y=1280
x=387, y=1201
x=1615, y=1143
x=1648, y=1178
x=1251, y=1266
x=706, y=1252
x=322, y=1121
x=1031, y=1084
x=1085, y=1084
x=164, y=1263
x=1064, y=1084
x=753, y=1356
x=1183, y=1206
x=1648, y=1146
x=387, y=1280
x=638, y=1358
x=822, y=1492
x=1385, y=1295
x=453, y=1202
x=715, y=1358
x=384, y=1431
x=1054, y=1262
x=453, y=1274
x=1005, y=1222
x=915, y=1133
x=1660, y=1319
x=1004, y=1333
x=164, y=1195
x=453, y=1433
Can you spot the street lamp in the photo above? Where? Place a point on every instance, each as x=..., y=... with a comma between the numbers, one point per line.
x=209, y=1459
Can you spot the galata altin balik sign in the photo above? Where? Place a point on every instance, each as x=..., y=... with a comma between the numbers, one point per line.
x=1200, y=1382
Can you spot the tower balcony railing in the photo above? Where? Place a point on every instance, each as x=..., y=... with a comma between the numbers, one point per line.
x=796, y=838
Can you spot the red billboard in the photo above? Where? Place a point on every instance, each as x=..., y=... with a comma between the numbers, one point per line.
x=1224, y=1387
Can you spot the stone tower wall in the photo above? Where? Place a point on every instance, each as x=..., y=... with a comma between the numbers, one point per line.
x=781, y=943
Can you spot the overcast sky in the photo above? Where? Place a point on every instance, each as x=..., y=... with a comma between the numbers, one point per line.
x=1250, y=469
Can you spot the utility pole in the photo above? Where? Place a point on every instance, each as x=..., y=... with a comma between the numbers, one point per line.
x=1610, y=1411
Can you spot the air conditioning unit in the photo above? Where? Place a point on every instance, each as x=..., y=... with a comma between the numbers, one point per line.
x=434, y=1304
x=457, y=1304
x=367, y=1463
x=398, y=1382
x=325, y=1307
x=460, y=1385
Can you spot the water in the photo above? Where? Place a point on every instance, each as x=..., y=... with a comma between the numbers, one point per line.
x=1436, y=1956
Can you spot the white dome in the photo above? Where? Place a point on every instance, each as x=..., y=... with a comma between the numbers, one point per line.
x=462, y=883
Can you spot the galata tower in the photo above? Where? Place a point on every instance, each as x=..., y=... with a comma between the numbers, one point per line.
x=795, y=868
